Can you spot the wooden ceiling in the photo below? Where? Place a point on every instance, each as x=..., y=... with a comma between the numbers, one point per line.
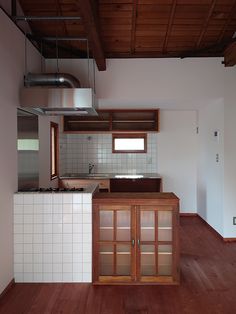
x=136, y=28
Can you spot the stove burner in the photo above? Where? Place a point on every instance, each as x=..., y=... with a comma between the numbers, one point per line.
x=56, y=190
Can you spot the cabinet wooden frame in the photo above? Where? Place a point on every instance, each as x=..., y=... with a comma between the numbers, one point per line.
x=54, y=147
x=136, y=277
x=114, y=120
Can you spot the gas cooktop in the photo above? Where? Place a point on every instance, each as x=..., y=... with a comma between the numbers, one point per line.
x=56, y=190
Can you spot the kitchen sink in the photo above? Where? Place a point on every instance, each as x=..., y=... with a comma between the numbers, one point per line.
x=86, y=175
x=97, y=175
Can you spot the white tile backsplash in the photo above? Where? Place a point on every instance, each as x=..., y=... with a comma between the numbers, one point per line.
x=78, y=150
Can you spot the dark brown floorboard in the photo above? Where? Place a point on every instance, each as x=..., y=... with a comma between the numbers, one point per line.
x=208, y=285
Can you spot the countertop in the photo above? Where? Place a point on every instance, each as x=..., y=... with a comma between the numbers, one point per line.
x=91, y=189
x=110, y=176
x=152, y=198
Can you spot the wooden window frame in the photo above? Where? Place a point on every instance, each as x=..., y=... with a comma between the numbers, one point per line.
x=129, y=135
x=54, y=126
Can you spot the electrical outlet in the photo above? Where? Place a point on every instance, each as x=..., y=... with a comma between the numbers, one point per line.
x=234, y=221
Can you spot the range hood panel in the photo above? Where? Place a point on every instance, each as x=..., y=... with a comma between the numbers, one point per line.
x=58, y=101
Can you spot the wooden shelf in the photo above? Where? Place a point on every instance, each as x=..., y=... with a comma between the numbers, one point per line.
x=114, y=121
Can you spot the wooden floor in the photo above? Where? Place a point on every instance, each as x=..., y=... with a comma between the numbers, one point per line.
x=208, y=285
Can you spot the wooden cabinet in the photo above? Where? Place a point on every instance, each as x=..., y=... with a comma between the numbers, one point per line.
x=135, y=240
x=136, y=185
x=113, y=121
x=135, y=120
x=116, y=185
x=81, y=124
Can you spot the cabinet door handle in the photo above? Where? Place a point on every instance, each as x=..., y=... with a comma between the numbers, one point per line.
x=133, y=242
x=138, y=242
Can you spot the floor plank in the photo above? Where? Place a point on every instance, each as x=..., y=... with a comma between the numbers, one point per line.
x=208, y=285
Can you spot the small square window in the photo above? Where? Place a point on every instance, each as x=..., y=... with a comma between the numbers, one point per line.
x=129, y=143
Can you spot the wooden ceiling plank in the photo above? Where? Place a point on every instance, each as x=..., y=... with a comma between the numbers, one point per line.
x=169, y=27
x=92, y=26
x=228, y=20
x=63, y=23
x=204, y=28
x=133, y=31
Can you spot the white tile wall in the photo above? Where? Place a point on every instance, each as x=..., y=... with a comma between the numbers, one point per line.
x=78, y=150
x=53, y=237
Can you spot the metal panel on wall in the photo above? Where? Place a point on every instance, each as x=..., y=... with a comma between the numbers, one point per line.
x=28, y=150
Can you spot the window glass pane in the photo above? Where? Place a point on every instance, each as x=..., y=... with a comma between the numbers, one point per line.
x=28, y=144
x=123, y=260
x=129, y=144
x=106, y=225
x=123, y=225
x=165, y=260
x=106, y=260
x=147, y=225
x=148, y=260
x=54, y=142
x=53, y=150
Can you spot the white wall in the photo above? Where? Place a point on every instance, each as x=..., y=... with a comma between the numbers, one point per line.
x=210, y=172
x=158, y=83
x=230, y=152
x=188, y=84
x=177, y=156
x=11, y=78
x=173, y=84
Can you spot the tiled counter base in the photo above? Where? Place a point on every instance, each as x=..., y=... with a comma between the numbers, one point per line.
x=53, y=237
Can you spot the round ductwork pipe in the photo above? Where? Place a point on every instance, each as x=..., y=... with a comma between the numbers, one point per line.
x=51, y=80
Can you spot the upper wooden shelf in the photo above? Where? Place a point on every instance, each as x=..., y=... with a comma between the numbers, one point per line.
x=114, y=121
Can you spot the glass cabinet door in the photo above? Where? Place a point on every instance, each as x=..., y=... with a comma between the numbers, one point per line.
x=106, y=226
x=154, y=238
x=164, y=225
x=134, y=243
x=115, y=247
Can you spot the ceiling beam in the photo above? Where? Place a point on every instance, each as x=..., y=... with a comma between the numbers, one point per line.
x=204, y=28
x=178, y=54
x=133, y=31
x=90, y=18
x=229, y=18
x=169, y=27
x=230, y=55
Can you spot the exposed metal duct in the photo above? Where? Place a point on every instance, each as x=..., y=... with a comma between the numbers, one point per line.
x=56, y=94
x=58, y=101
x=51, y=80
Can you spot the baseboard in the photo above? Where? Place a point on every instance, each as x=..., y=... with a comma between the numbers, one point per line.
x=211, y=228
x=8, y=287
x=188, y=214
x=227, y=240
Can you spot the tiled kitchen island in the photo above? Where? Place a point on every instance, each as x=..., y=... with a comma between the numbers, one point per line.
x=53, y=236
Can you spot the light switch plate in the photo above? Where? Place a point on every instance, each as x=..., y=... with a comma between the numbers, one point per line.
x=234, y=221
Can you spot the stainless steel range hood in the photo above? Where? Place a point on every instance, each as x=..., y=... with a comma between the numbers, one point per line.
x=56, y=94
